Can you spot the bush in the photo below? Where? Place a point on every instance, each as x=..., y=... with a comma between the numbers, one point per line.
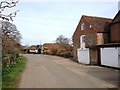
x=12, y=71
x=9, y=58
x=65, y=54
x=54, y=52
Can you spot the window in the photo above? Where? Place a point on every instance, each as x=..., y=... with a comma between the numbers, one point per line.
x=83, y=38
x=82, y=41
x=82, y=26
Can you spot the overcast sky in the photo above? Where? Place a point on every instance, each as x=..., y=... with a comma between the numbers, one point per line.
x=44, y=21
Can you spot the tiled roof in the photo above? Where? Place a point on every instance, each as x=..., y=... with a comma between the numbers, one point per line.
x=51, y=45
x=97, y=22
x=54, y=45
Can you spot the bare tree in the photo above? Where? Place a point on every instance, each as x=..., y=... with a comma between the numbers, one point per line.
x=10, y=30
x=10, y=37
x=65, y=43
x=9, y=33
x=8, y=4
x=63, y=40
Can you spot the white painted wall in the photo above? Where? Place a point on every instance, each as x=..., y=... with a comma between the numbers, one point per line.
x=83, y=56
x=110, y=56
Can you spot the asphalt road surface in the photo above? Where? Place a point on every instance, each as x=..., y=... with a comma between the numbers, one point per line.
x=44, y=71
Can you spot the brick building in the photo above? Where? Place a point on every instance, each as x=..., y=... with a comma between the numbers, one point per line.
x=89, y=33
x=115, y=29
x=110, y=52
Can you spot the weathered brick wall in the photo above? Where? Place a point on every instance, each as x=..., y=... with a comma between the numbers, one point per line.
x=93, y=56
x=106, y=37
x=76, y=45
x=114, y=32
x=100, y=38
x=90, y=39
x=90, y=33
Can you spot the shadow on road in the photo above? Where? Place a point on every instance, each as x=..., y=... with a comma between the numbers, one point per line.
x=106, y=74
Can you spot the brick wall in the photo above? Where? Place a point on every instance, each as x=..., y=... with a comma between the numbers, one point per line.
x=76, y=45
x=114, y=32
x=90, y=36
x=93, y=56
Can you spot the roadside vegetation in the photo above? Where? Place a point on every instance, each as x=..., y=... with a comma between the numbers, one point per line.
x=62, y=47
x=11, y=72
x=12, y=62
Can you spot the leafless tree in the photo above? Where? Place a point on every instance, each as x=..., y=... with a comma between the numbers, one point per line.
x=10, y=37
x=63, y=40
x=65, y=43
x=8, y=4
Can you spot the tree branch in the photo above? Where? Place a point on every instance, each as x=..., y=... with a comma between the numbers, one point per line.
x=6, y=4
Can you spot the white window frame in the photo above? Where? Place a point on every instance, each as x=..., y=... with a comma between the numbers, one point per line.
x=82, y=41
x=83, y=26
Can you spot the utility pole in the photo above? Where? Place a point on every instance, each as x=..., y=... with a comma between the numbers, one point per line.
x=40, y=42
x=40, y=47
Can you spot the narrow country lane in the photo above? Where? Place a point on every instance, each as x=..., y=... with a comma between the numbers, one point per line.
x=44, y=71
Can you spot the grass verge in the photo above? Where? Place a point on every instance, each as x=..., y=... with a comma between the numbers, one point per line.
x=12, y=71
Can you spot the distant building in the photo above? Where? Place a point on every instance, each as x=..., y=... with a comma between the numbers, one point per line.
x=35, y=49
x=64, y=50
x=48, y=48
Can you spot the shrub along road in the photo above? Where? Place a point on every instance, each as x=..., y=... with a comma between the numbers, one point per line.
x=44, y=71
x=11, y=72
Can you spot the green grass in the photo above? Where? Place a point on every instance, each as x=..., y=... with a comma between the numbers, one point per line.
x=11, y=73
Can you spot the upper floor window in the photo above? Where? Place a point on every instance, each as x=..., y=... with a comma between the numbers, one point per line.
x=82, y=26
